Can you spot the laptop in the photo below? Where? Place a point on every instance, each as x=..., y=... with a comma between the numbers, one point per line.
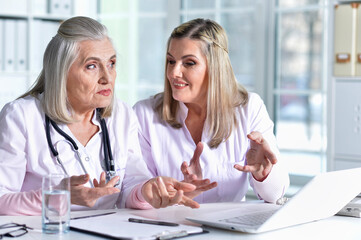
x=322, y=197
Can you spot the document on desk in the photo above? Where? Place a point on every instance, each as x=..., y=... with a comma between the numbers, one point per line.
x=117, y=226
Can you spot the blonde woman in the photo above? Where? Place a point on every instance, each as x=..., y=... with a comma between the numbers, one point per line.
x=204, y=110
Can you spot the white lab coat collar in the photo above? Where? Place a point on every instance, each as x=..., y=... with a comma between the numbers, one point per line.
x=182, y=112
x=182, y=116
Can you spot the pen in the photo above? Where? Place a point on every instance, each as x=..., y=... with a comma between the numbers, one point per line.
x=155, y=222
x=95, y=215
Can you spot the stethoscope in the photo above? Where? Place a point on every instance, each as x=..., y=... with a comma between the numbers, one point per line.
x=108, y=157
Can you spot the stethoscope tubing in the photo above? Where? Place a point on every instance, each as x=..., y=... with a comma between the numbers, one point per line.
x=109, y=162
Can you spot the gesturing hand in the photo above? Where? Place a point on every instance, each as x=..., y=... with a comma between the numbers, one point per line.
x=193, y=174
x=260, y=158
x=161, y=192
x=85, y=196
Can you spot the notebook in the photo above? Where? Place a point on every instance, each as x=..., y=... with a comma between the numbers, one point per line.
x=117, y=226
x=322, y=197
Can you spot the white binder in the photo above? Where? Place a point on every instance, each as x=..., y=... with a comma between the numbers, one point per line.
x=43, y=32
x=60, y=7
x=343, y=40
x=21, y=48
x=65, y=7
x=36, y=54
x=347, y=40
x=9, y=50
x=358, y=42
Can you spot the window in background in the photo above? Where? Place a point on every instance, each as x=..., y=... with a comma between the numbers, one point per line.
x=138, y=29
x=300, y=84
x=244, y=22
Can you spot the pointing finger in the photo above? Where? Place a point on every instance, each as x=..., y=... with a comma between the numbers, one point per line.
x=112, y=182
x=186, y=187
x=184, y=168
x=198, y=151
x=186, y=201
x=255, y=136
x=163, y=192
x=177, y=198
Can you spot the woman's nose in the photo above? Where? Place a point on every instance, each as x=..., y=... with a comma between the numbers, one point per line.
x=176, y=71
x=105, y=75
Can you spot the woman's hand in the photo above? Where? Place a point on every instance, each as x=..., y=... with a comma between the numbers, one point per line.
x=85, y=196
x=193, y=174
x=161, y=192
x=260, y=158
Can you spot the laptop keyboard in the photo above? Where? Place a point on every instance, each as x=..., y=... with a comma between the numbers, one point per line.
x=250, y=219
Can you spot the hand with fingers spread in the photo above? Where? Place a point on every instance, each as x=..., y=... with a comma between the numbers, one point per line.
x=161, y=192
x=193, y=174
x=260, y=158
x=85, y=196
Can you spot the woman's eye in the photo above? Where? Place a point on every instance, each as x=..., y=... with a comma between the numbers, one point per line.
x=90, y=66
x=112, y=64
x=191, y=63
x=171, y=62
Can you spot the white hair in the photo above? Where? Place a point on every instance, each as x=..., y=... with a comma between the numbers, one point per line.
x=59, y=55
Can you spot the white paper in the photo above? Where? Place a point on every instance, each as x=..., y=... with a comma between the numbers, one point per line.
x=117, y=225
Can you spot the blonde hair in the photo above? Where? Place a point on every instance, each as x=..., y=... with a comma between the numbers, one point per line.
x=59, y=55
x=224, y=93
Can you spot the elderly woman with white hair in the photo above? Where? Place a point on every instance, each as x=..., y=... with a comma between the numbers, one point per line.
x=69, y=122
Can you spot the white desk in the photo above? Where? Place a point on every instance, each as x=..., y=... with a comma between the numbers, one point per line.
x=336, y=227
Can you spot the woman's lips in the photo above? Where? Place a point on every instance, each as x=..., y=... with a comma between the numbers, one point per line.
x=180, y=85
x=105, y=92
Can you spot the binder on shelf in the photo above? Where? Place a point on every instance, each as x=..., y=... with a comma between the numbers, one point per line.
x=43, y=31
x=358, y=42
x=65, y=8
x=35, y=48
x=21, y=46
x=53, y=6
x=343, y=37
x=346, y=39
x=59, y=7
x=9, y=43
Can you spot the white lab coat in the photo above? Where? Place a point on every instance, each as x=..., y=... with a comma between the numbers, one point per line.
x=25, y=156
x=165, y=148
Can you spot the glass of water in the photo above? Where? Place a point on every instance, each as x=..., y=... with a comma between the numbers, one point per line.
x=56, y=203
